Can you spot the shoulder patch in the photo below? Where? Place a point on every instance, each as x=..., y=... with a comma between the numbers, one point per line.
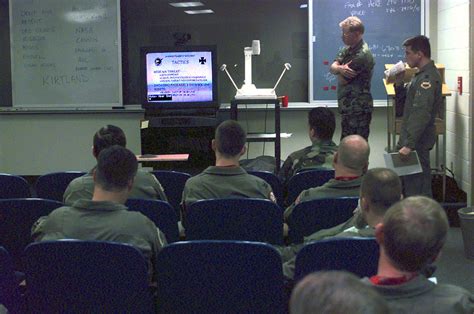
x=272, y=197
x=426, y=85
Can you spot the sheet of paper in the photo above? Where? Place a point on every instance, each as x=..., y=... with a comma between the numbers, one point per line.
x=410, y=165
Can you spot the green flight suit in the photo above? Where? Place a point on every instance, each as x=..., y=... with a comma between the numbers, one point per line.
x=420, y=295
x=145, y=186
x=354, y=98
x=333, y=188
x=103, y=221
x=224, y=182
x=422, y=103
x=319, y=155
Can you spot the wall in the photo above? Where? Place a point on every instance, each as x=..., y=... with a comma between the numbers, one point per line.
x=280, y=25
x=35, y=144
x=453, y=51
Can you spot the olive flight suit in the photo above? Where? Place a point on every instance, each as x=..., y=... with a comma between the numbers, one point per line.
x=422, y=103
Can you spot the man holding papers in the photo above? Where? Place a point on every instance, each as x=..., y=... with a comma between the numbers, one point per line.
x=422, y=101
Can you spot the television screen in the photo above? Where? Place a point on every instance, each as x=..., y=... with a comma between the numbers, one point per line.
x=179, y=77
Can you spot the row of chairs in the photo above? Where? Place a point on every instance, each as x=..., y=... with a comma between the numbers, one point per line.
x=52, y=185
x=220, y=219
x=192, y=276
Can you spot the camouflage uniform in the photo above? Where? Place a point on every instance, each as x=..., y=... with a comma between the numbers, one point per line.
x=422, y=103
x=354, y=98
x=318, y=155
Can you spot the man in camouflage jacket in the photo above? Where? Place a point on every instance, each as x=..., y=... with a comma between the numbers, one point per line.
x=320, y=154
x=354, y=66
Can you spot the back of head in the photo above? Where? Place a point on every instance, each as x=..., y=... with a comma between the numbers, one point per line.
x=419, y=43
x=353, y=153
x=107, y=136
x=414, y=231
x=382, y=187
x=116, y=167
x=323, y=121
x=335, y=292
x=353, y=23
x=230, y=138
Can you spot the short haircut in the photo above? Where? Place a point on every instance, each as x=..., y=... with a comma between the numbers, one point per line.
x=335, y=292
x=353, y=23
x=382, y=187
x=323, y=121
x=116, y=166
x=419, y=43
x=414, y=232
x=230, y=138
x=353, y=152
x=107, y=136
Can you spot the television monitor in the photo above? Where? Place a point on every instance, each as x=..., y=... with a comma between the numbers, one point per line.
x=179, y=79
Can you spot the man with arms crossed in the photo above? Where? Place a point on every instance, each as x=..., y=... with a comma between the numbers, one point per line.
x=354, y=66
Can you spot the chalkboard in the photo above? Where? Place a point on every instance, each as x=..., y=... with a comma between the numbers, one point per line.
x=65, y=53
x=387, y=24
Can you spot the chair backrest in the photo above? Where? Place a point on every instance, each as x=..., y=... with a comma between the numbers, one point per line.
x=17, y=216
x=71, y=276
x=10, y=295
x=219, y=277
x=305, y=180
x=173, y=183
x=274, y=182
x=356, y=255
x=246, y=219
x=52, y=185
x=12, y=186
x=161, y=213
x=311, y=216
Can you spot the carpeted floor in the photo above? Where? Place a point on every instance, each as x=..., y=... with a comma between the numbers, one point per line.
x=453, y=267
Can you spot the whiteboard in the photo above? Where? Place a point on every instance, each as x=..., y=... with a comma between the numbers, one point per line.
x=65, y=53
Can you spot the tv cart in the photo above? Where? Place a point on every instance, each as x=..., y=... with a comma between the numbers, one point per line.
x=261, y=137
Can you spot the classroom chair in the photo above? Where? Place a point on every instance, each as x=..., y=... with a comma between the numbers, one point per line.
x=12, y=186
x=173, y=183
x=314, y=215
x=52, y=185
x=72, y=276
x=274, y=182
x=246, y=219
x=219, y=277
x=10, y=295
x=306, y=179
x=160, y=212
x=17, y=216
x=356, y=255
